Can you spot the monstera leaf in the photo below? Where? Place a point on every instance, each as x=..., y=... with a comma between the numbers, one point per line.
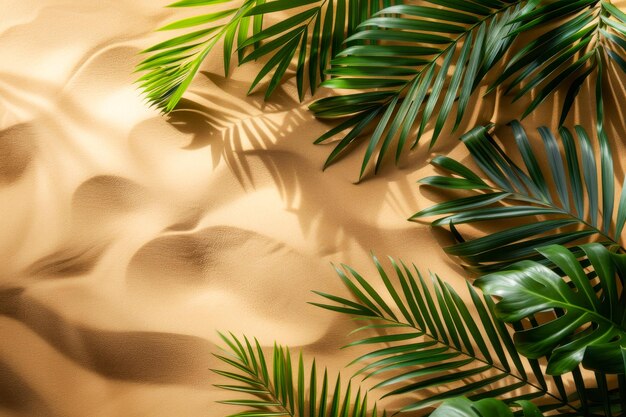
x=562, y=204
x=488, y=407
x=280, y=389
x=582, y=316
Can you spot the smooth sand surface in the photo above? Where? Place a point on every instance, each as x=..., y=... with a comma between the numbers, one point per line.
x=128, y=238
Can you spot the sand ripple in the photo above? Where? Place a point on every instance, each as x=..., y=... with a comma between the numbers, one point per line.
x=128, y=238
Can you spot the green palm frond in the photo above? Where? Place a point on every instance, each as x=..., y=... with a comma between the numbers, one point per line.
x=582, y=315
x=279, y=389
x=488, y=407
x=315, y=32
x=589, y=32
x=404, y=78
x=328, y=21
x=430, y=339
x=173, y=64
x=544, y=211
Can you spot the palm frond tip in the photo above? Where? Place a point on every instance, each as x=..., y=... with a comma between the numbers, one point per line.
x=172, y=64
x=276, y=387
x=422, y=43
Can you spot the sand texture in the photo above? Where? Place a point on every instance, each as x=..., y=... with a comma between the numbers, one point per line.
x=127, y=238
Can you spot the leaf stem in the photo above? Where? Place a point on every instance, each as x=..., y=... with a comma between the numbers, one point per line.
x=271, y=392
x=518, y=196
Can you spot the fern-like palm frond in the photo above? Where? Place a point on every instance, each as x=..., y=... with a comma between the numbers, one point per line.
x=404, y=78
x=430, y=339
x=315, y=33
x=582, y=207
x=328, y=22
x=282, y=389
x=173, y=64
x=589, y=32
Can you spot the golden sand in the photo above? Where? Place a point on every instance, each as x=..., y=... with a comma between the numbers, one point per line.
x=128, y=238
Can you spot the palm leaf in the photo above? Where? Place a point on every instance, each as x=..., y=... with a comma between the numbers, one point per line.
x=589, y=33
x=278, y=388
x=314, y=33
x=404, y=78
x=172, y=64
x=562, y=214
x=586, y=324
x=488, y=407
x=430, y=339
x=328, y=21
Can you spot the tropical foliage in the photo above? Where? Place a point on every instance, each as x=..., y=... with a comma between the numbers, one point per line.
x=430, y=338
x=405, y=79
x=590, y=31
x=412, y=66
x=172, y=64
x=280, y=389
x=486, y=30
x=587, y=314
x=562, y=210
x=488, y=407
x=410, y=63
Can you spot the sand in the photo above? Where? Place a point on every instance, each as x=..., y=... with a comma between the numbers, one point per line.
x=127, y=238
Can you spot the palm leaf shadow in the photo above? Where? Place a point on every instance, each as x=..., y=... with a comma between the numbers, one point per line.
x=256, y=141
x=149, y=357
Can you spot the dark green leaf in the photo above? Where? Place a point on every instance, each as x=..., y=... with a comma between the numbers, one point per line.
x=590, y=329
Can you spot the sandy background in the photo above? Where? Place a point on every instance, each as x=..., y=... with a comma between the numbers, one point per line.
x=127, y=238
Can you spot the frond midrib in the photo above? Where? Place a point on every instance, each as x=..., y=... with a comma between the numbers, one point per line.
x=564, y=401
x=516, y=196
x=270, y=388
x=453, y=44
